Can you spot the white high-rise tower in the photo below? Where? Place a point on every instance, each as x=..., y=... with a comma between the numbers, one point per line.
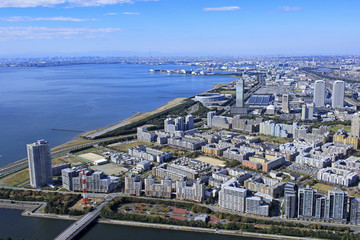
x=355, y=125
x=338, y=94
x=319, y=93
x=39, y=159
x=240, y=93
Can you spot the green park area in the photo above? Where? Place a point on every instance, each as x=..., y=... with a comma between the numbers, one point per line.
x=335, y=128
x=18, y=179
x=124, y=147
x=323, y=188
x=276, y=140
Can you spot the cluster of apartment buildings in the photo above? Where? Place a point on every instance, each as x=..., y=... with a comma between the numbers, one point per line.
x=150, y=154
x=183, y=168
x=234, y=197
x=306, y=203
x=184, y=190
x=72, y=180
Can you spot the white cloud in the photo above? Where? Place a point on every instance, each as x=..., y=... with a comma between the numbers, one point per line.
x=130, y=13
x=65, y=3
x=52, y=33
x=125, y=13
x=218, y=9
x=30, y=19
x=289, y=8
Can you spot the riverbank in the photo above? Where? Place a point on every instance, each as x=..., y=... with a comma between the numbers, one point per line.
x=33, y=209
x=201, y=230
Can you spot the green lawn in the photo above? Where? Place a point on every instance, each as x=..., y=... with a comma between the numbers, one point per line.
x=16, y=179
x=276, y=140
x=125, y=147
x=334, y=128
x=322, y=187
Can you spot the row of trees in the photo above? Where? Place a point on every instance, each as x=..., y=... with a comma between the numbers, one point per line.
x=196, y=208
x=55, y=202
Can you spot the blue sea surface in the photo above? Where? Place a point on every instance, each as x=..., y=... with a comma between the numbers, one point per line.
x=34, y=100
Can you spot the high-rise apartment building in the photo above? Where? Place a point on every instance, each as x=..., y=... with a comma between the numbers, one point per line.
x=240, y=93
x=319, y=93
x=307, y=111
x=290, y=200
x=171, y=126
x=285, y=103
x=337, y=205
x=355, y=125
x=354, y=210
x=232, y=196
x=39, y=159
x=307, y=201
x=338, y=94
x=210, y=116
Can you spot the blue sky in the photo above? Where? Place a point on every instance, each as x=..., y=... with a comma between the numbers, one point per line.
x=178, y=27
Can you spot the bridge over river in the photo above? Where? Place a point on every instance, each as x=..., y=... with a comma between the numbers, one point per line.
x=83, y=222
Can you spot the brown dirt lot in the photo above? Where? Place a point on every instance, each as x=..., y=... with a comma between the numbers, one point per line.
x=212, y=161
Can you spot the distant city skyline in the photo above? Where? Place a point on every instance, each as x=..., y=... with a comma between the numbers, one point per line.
x=168, y=27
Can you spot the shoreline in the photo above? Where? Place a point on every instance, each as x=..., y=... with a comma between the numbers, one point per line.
x=136, y=117
x=32, y=210
x=201, y=230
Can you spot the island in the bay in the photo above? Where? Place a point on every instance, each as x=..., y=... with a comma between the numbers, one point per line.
x=273, y=154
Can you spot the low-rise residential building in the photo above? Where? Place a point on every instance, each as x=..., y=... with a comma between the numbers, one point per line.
x=337, y=176
x=239, y=154
x=344, y=138
x=272, y=164
x=150, y=154
x=214, y=149
x=246, y=125
x=59, y=167
x=351, y=164
x=252, y=165
x=95, y=180
x=316, y=161
x=266, y=185
x=162, y=172
x=190, y=143
x=143, y=135
x=143, y=165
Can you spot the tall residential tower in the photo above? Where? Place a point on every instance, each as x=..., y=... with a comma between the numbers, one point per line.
x=319, y=93
x=240, y=93
x=355, y=125
x=338, y=94
x=285, y=103
x=39, y=159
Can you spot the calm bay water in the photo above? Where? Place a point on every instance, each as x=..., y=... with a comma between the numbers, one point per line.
x=13, y=225
x=82, y=97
